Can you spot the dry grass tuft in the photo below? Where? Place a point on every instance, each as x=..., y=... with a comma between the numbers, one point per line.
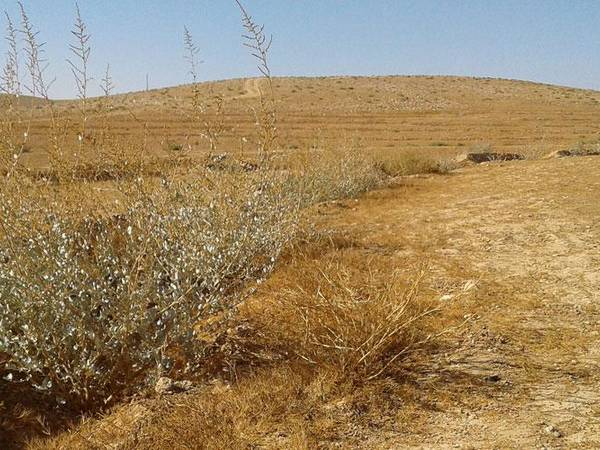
x=339, y=316
x=394, y=164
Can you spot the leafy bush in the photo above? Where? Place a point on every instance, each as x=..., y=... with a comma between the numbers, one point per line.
x=94, y=306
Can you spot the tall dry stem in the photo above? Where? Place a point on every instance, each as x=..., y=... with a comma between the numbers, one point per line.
x=266, y=117
x=79, y=67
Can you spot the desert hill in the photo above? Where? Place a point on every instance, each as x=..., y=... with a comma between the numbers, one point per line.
x=442, y=115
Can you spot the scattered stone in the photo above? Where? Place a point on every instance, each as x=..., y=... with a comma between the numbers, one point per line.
x=552, y=430
x=483, y=157
x=570, y=153
x=166, y=386
x=494, y=378
x=559, y=154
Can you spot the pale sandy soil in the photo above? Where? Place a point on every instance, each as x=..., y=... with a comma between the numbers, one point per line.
x=528, y=235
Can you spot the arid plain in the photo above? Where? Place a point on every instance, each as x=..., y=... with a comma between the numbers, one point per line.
x=509, y=251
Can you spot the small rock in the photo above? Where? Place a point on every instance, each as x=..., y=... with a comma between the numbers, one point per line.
x=494, y=378
x=165, y=386
x=552, y=430
x=479, y=158
x=559, y=154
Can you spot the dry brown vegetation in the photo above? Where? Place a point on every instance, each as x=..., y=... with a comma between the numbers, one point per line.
x=164, y=233
x=120, y=265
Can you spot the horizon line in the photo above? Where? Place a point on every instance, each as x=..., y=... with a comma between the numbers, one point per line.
x=275, y=77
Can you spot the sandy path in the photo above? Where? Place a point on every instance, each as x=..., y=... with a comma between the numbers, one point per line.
x=252, y=88
x=526, y=375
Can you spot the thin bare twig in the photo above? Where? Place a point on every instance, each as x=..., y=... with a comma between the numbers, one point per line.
x=191, y=55
x=107, y=85
x=9, y=80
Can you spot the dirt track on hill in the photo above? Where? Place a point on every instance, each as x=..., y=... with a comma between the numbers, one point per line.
x=252, y=88
x=523, y=239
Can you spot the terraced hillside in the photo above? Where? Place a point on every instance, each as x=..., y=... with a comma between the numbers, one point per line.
x=440, y=115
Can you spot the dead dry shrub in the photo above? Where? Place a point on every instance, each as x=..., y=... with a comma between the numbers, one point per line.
x=402, y=163
x=355, y=321
x=325, y=174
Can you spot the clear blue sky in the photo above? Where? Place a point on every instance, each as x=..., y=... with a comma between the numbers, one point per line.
x=553, y=41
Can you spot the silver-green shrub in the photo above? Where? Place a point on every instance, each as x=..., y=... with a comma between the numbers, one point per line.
x=90, y=307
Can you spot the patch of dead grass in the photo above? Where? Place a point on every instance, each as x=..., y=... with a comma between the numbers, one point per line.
x=402, y=163
x=338, y=314
x=319, y=356
x=283, y=407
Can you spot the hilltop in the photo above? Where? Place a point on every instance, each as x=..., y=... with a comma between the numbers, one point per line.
x=440, y=115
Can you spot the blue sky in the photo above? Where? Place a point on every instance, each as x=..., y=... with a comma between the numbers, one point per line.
x=551, y=41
